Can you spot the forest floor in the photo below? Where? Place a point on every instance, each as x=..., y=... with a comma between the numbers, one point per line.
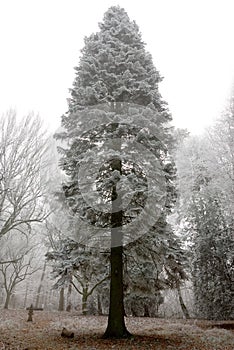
x=44, y=333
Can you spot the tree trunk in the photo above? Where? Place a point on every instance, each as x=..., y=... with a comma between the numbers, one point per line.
x=26, y=296
x=7, y=300
x=40, y=286
x=146, y=311
x=61, y=300
x=45, y=299
x=116, y=325
x=182, y=304
x=99, y=305
x=13, y=300
x=69, y=291
x=84, y=300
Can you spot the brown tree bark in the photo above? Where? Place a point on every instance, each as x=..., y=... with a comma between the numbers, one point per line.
x=116, y=325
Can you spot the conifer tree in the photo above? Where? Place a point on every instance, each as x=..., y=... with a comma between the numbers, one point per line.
x=206, y=218
x=213, y=248
x=115, y=98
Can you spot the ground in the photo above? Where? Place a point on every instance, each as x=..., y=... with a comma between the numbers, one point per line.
x=44, y=333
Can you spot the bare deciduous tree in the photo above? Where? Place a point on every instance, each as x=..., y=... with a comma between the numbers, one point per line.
x=18, y=265
x=22, y=159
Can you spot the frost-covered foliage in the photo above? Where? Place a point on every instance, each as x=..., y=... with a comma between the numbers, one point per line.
x=213, y=249
x=76, y=265
x=154, y=263
x=221, y=139
x=115, y=100
x=151, y=265
x=205, y=206
x=115, y=67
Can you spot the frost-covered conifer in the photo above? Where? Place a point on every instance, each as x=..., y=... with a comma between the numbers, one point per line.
x=213, y=255
x=120, y=175
x=205, y=209
x=115, y=67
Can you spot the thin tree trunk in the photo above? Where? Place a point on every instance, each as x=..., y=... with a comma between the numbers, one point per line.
x=45, y=300
x=1, y=295
x=84, y=300
x=26, y=296
x=50, y=296
x=69, y=291
x=7, y=300
x=40, y=286
x=99, y=304
x=116, y=325
x=146, y=311
x=182, y=304
x=61, y=300
x=13, y=300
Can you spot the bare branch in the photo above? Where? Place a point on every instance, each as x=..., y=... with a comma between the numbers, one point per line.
x=23, y=146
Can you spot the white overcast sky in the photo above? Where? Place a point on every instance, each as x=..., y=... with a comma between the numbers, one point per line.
x=191, y=42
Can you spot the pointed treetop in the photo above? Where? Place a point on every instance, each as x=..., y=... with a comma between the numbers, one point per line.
x=116, y=16
x=115, y=67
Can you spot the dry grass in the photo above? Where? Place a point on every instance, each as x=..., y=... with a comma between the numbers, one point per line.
x=148, y=333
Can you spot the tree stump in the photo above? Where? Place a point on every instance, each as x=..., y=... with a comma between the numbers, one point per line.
x=30, y=313
x=66, y=333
